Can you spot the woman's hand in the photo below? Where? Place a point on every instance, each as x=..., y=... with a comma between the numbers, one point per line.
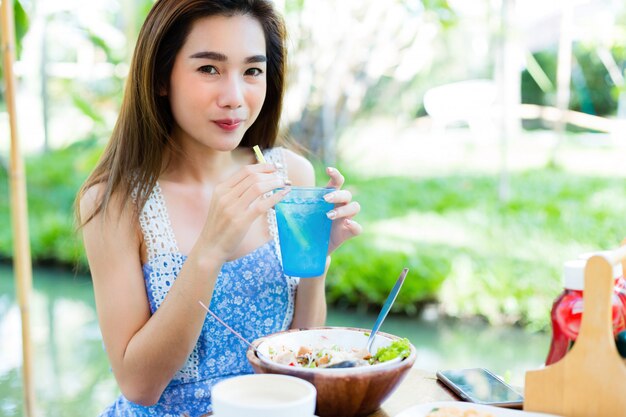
x=343, y=227
x=236, y=203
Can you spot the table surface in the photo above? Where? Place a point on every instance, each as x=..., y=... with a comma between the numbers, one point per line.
x=418, y=387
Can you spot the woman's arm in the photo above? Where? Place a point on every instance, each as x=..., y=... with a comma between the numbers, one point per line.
x=146, y=350
x=310, y=310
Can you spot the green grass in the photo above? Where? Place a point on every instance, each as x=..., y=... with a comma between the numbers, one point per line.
x=466, y=250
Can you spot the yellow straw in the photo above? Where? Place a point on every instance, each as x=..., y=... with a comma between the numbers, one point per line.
x=259, y=154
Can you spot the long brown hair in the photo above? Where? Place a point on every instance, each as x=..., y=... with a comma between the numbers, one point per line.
x=133, y=158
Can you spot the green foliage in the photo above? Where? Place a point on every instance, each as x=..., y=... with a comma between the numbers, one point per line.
x=87, y=108
x=464, y=248
x=591, y=84
x=53, y=179
x=445, y=15
x=293, y=6
x=472, y=253
x=363, y=273
x=113, y=55
x=531, y=92
x=592, y=90
x=21, y=25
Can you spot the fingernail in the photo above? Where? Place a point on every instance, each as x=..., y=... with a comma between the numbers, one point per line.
x=278, y=165
x=287, y=181
x=331, y=214
x=330, y=197
x=349, y=222
x=331, y=170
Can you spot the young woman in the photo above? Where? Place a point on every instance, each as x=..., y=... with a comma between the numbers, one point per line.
x=178, y=211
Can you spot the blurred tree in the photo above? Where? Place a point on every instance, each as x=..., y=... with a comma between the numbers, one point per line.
x=97, y=53
x=593, y=90
x=598, y=65
x=333, y=70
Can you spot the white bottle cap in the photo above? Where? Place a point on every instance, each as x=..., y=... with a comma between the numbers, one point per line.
x=618, y=271
x=588, y=255
x=574, y=273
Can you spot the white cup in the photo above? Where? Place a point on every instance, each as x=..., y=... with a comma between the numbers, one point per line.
x=263, y=395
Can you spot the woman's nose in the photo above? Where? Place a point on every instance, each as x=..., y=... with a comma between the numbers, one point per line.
x=231, y=93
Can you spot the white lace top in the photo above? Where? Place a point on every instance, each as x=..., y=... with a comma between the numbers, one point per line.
x=251, y=294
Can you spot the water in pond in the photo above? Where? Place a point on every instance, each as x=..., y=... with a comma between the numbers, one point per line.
x=72, y=376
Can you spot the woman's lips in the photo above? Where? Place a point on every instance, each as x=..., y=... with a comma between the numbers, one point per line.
x=228, y=125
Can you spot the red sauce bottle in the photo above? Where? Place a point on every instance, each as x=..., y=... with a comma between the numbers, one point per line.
x=619, y=288
x=567, y=309
x=560, y=342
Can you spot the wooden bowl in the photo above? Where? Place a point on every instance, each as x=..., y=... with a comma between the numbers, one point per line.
x=343, y=392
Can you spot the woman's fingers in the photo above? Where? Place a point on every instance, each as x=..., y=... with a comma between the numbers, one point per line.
x=338, y=197
x=347, y=211
x=246, y=171
x=261, y=205
x=343, y=230
x=254, y=186
x=336, y=179
x=353, y=227
x=258, y=191
x=257, y=183
x=238, y=201
x=232, y=203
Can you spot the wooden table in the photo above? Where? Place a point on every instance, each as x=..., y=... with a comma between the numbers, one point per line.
x=418, y=387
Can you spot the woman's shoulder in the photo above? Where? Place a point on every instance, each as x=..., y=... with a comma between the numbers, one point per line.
x=91, y=204
x=89, y=200
x=114, y=223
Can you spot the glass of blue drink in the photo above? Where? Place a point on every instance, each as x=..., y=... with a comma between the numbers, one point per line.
x=304, y=230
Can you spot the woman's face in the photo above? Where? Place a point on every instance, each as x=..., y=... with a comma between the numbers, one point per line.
x=218, y=82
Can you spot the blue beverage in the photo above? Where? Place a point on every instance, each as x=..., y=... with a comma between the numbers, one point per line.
x=304, y=231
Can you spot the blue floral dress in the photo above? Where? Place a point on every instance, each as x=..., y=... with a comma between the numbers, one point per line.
x=251, y=294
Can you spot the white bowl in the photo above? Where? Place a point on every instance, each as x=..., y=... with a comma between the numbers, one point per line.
x=263, y=395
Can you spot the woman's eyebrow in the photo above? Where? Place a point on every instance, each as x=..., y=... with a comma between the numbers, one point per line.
x=217, y=56
x=255, y=58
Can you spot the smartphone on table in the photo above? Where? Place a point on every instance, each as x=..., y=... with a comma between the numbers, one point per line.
x=480, y=386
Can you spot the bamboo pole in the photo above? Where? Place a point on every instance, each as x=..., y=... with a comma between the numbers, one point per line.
x=19, y=209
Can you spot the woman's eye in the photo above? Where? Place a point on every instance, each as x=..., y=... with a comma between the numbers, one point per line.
x=208, y=69
x=255, y=72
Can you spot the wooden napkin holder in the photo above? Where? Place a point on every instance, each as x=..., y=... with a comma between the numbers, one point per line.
x=590, y=381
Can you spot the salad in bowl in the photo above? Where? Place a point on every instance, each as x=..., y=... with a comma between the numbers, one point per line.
x=349, y=380
x=328, y=355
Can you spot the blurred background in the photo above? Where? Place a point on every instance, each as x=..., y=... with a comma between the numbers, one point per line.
x=484, y=139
